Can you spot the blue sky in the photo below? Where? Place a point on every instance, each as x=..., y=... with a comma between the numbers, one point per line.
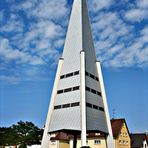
x=32, y=35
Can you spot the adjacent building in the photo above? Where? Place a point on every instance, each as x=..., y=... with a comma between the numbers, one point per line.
x=120, y=133
x=139, y=140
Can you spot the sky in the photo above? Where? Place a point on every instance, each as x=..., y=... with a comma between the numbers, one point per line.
x=32, y=35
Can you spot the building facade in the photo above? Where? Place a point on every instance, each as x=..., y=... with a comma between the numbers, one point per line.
x=139, y=140
x=121, y=133
x=78, y=102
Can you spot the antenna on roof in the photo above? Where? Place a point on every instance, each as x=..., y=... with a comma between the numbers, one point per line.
x=113, y=113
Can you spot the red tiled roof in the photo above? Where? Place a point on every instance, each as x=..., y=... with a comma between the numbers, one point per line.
x=116, y=126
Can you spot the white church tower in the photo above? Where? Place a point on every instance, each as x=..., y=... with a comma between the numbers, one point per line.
x=78, y=103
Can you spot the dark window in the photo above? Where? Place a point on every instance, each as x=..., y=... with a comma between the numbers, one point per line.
x=67, y=90
x=93, y=91
x=75, y=104
x=89, y=105
x=101, y=109
x=76, y=73
x=76, y=88
x=62, y=77
x=87, y=88
x=65, y=105
x=57, y=107
x=87, y=73
x=95, y=107
x=98, y=93
x=92, y=76
x=69, y=75
x=60, y=92
x=97, y=78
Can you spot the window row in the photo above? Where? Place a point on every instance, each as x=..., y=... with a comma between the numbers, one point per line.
x=95, y=107
x=92, y=76
x=93, y=91
x=122, y=134
x=69, y=75
x=67, y=105
x=68, y=90
x=97, y=141
x=123, y=142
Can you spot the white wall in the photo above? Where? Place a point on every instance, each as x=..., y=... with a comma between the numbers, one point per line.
x=145, y=143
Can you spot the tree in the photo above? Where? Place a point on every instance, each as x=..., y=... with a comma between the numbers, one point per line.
x=23, y=134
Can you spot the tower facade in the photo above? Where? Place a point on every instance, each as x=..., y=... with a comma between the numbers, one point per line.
x=78, y=102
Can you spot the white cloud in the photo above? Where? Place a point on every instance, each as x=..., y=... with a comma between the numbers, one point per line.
x=96, y=5
x=14, y=24
x=10, y=54
x=50, y=9
x=136, y=15
x=142, y=4
x=134, y=54
x=10, y=79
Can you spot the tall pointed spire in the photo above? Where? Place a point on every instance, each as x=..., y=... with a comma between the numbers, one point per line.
x=78, y=102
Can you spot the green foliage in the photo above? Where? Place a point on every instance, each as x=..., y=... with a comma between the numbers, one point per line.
x=23, y=134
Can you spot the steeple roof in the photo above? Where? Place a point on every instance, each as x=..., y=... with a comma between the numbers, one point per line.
x=79, y=35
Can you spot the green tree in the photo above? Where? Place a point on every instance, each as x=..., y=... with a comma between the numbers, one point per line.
x=23, y=134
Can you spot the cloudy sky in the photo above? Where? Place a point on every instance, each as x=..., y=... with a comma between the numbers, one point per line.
x=32, y=34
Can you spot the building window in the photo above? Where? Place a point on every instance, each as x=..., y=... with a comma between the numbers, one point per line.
x=67, y=90
x=75, y=104
x=120, y=142
x=58, y=107
x=66, y=105
x=93, y=91
x=76, y=73
x=97, y=141
x=124, y=143
x=69, y=75
x=91, y=76
x=60, y=92
x=53, y=142
x=95, y=107
x=89, y=105
x=101, y=109
x=76, y=88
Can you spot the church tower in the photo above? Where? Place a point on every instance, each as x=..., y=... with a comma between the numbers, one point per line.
x=78, y=102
